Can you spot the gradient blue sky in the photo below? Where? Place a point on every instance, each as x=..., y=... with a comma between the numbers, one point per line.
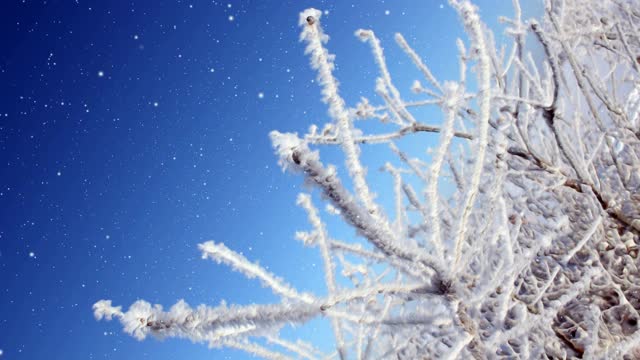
x=130, y=131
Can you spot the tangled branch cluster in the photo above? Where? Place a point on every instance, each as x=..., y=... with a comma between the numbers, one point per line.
x=523, y=239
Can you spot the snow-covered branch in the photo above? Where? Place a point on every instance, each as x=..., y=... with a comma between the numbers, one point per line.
x=516, y=236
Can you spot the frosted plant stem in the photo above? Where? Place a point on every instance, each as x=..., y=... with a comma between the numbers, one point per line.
x=256, y=350
x=303, y=352
x=378, y=55
x=304, y=200
x=474, y=27
x=434, y=174
x=222, y=254
x=417, y=61
x=322, y=61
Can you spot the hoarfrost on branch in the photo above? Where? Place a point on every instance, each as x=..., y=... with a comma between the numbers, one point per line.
x=531, y=252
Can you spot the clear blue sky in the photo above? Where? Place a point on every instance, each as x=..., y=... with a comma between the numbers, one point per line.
x=131, y=131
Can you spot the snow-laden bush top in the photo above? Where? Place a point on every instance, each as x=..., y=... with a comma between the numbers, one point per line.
x=533, y=254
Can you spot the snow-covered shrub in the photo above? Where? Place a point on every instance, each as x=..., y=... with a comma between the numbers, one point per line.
x=532, y=252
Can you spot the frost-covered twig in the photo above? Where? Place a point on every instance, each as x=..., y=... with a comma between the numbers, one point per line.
x=522, y=236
